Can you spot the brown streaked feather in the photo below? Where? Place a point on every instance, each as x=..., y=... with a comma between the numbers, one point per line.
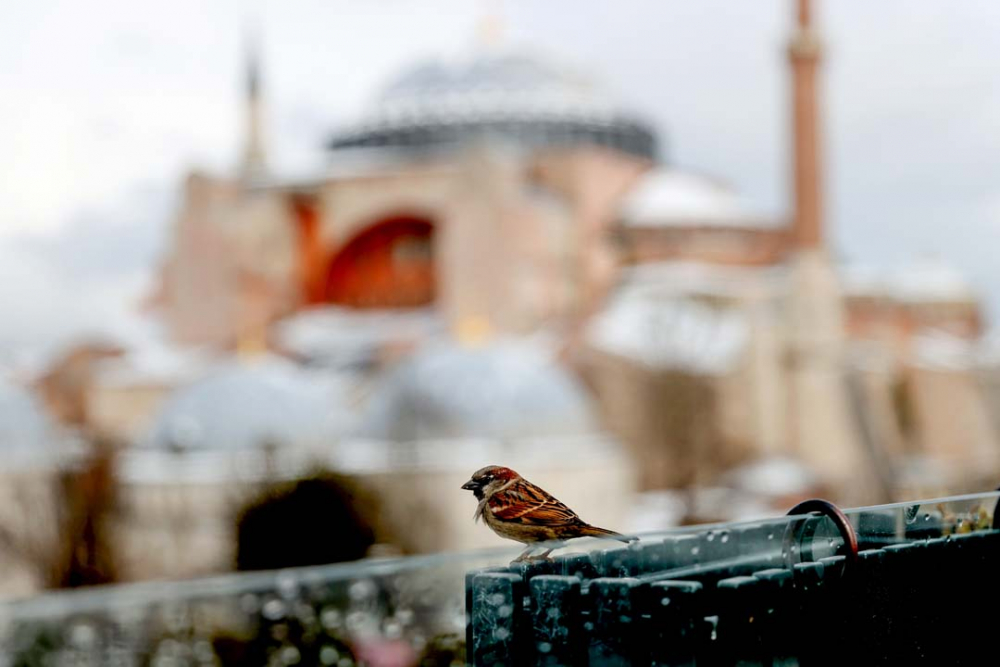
x=529, y=505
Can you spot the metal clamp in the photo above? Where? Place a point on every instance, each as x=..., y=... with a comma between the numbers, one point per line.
x=832, y=512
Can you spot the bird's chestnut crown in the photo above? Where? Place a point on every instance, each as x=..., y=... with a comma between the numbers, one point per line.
x=488, y=478
x=493, y=473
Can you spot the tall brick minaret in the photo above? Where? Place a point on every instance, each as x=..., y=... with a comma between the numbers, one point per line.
x=254, y=160
x=804, y=53
x=823, y=427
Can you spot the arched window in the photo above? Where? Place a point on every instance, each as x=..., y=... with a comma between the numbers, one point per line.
x=389, y=264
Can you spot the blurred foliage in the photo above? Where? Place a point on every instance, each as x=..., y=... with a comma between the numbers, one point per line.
x=315, y=520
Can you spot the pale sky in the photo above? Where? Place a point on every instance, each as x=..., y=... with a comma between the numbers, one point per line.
x=104, y=105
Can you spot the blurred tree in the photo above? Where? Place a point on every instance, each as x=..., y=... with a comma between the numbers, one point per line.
x=312, y=521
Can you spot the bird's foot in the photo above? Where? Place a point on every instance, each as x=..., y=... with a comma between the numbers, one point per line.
x=526, y=557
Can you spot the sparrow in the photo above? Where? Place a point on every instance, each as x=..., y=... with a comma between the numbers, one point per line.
x=516, y=509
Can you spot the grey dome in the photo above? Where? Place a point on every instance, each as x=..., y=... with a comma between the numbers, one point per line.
x=511, y=96
x=264, y=402
x=506, y=390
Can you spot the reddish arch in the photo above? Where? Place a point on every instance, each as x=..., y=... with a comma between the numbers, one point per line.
x=389, y=264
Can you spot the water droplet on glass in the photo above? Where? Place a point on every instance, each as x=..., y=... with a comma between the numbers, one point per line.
x=290, y=655
x=501, y=633
x=330, y=618
x=694, y=551
x=362, y=589
x=82, y=635
x=249, y=603
x=625, y=618
x=393, y=630
x=710, y=537
x=665, y=601
x=273, y=609
x=770, y=536
x=328, y=655
x=927, y=517
x=287, y=585
x=544, y=647
x=725, y=537
x=588, y=626
x=496, y=599
x=504, y=611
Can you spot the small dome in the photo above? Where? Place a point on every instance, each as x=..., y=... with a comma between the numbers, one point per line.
x=927, y=280
x=669, y=198
x=509, y=95
x=509, y=389
x=931, y=280
x=263, y=402
x=24, y=425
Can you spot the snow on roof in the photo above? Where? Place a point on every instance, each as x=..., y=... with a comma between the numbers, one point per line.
x=670, y=197
x=939, y=350
x=252, y=404
x=704, y=278
x=773, y=476
x=335, y=336
x=926, y=280
x=670, y=332
x=157, y=363
x=510, y=388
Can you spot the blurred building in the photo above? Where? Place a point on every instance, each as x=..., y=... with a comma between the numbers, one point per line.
x=492, y=206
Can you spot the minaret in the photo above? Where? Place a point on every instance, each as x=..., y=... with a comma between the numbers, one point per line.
x=804, y=53
x=823, y=428
x=254, y=162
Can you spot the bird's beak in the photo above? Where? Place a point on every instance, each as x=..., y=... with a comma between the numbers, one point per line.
x=471, y=485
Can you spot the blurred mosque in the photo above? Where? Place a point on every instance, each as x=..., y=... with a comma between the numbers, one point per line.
x=501, y=266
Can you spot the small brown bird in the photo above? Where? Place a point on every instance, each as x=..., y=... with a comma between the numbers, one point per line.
x=516, y=509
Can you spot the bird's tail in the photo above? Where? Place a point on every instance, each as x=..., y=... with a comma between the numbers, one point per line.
x=593, y=531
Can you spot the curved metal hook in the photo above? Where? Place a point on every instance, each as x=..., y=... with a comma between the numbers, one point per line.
x=832, y=512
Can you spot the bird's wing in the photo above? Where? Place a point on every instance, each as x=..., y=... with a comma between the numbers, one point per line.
x=527, y=504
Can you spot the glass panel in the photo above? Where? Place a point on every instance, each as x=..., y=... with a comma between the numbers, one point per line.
x=449, y=608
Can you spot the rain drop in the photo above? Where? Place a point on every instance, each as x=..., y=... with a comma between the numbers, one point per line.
x=273, y=609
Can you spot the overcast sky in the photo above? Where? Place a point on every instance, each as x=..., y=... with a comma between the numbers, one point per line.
x=104, y=105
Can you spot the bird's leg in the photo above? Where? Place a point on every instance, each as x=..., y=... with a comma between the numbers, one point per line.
x=543, y=556
x=524, y=554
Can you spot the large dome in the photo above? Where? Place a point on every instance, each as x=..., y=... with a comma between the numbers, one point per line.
x=512, y=96
x=509, y=389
